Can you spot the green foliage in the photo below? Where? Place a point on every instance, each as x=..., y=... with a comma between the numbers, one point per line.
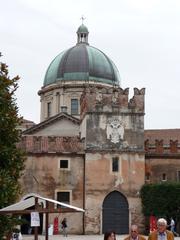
x=161, y=200
x=11, y=158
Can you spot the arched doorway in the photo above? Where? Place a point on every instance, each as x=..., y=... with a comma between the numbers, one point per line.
x=115, y=213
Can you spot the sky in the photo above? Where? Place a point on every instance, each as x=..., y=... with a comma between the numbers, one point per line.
x=142, y=37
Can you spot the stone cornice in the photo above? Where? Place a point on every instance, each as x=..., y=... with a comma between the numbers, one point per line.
x=74, y=85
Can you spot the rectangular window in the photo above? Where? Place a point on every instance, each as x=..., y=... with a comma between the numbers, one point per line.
x=48, y=109
x=74, y=106
x=63, y=197
x=115, y=164
x=64, y=164
x=147, y=176
x=164, y=177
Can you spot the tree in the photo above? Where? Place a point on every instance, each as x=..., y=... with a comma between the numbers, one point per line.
x=11, y=158
x=161, y=200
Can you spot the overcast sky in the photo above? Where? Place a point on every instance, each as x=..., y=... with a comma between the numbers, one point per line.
x=142, y=37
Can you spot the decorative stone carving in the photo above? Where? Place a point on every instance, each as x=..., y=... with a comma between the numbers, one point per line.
x=115, y=130
x=99, y=97
x=114, y=98
x=118, y=181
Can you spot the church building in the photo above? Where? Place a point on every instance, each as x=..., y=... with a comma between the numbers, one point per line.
x=88, y=150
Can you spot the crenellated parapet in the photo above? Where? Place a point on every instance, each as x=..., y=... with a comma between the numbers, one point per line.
x=159, y=146
x=111, y=100
x=137, y=101
x=51, y=144
x=162, y=155
x=162, y=141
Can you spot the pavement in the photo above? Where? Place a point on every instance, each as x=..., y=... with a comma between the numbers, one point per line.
x=76, y=237
x=72, y=237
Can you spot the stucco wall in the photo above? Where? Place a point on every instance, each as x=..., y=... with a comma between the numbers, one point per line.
x=98, y=136
x=156, y=167
x=100, y=181
x=43, y=176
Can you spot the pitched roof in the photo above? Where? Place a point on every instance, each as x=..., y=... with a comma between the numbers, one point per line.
x=27, y=121
x=51, y=120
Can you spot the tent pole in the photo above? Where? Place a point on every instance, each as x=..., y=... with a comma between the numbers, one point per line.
x=36, y=228
x=47, y=219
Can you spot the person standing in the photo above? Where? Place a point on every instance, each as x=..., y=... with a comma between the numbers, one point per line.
x=161, y=233
x=172, y=227
x=134, y=234
x=64, y=227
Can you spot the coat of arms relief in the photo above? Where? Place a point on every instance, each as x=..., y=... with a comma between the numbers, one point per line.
x=115, y=130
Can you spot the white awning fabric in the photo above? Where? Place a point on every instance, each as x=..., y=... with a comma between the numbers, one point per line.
x=30, y=201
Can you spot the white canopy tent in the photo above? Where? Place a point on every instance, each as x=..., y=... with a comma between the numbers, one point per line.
x=28, y=201
x=34, y=199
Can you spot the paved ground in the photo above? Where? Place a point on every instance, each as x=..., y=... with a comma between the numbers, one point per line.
x=72, y=237
x=76, y=237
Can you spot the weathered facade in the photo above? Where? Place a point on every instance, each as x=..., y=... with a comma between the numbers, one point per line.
x=105, y=155
x=44, y=173
x=88, y=150
x=113, y=130
x=162, y=155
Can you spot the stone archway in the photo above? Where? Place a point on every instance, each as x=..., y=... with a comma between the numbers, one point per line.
x=115, y=215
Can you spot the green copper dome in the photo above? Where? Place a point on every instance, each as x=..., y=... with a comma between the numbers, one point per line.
x=82, y=63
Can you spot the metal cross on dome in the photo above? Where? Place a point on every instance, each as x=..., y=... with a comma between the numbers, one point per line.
x=82, y=18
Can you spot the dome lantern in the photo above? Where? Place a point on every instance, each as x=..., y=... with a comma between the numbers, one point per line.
x=82, y=34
